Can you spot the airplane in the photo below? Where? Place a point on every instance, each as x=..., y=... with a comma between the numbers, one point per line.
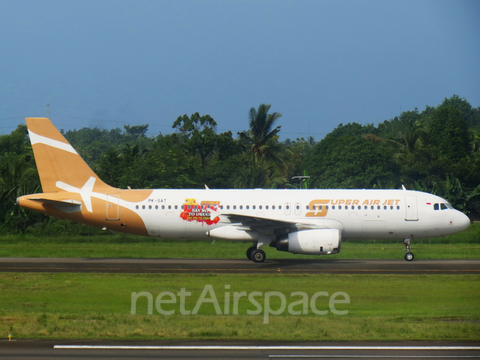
x=304, y=221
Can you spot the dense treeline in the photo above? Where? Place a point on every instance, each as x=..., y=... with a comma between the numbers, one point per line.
x=436, y=150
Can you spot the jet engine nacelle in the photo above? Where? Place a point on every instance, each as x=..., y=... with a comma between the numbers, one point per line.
x=312, y=242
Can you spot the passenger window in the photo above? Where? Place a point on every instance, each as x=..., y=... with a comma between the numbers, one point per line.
x=398, y=207
x=260, y=207
x=228, y=207
x=333, y=207
x=346, y=207
x=137, y=207
x=391, y=207
x=234, y=207
x=320, y=207
x=443, y=206
x=253, y=207
x=372, y=207
x=163, y=207
x=149, y=207
x=156, y=207
x=298, y=207
x=340, y=207
x=143, y=207
x=435, y=207
x=279, y=207
x=183, y=207
x=169, y=207
x=378, y=207
x=365, y=207
x=308, y=208
x=176, y=207
x=326, y=207
x=266, y=207
x=273, y=207
x=287, y=207
x=241, y=207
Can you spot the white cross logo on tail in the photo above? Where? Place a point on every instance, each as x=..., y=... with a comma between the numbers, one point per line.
x=85, y=192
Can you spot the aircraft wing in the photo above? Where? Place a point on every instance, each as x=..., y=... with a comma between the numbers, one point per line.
x=266, y=225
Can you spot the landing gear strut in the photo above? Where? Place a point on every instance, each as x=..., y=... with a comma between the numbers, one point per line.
x=408, y=255
x=256, y=255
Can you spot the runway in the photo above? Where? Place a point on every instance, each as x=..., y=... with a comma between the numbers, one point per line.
x=281, y=266
x=68, y=349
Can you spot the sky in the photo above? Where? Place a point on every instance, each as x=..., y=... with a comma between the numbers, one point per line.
x=108, y=63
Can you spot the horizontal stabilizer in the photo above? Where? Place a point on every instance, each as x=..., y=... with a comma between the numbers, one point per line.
x=68, y=206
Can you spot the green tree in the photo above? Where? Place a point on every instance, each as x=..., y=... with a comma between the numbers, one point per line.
x=198, y=134
x=257, y=173
x=262, y=137
x=266, y=160
x=136, y=130
x=450, y=132
x=464, y=108
x=352, y=162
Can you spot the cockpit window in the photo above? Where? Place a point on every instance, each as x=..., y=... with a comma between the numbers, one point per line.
x=442, y=206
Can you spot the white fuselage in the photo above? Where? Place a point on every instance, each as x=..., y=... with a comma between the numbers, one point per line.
x=358, y=214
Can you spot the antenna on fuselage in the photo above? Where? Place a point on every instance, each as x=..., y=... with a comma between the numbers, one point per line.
x=403, y=187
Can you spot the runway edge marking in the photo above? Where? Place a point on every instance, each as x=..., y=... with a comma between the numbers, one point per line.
x=215, y=347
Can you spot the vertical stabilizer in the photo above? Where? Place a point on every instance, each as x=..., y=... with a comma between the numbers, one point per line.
x=59, y=166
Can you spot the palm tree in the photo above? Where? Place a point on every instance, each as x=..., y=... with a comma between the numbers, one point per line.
x=266, y=161
x=261, y=136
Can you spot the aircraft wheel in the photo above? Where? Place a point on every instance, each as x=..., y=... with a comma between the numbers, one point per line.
x=249, y=252
x=258, y=256
x=409, y=256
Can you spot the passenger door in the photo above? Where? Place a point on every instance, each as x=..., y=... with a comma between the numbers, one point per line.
x=411, y=210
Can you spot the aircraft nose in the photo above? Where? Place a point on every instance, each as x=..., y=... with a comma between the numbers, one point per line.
x=463, y=221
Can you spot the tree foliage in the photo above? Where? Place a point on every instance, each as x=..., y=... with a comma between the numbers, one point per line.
x=435, y=150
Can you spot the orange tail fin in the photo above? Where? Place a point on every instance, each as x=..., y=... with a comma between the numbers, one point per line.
x=59, y=166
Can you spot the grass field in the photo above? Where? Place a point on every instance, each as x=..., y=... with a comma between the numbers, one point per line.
x=382, y=307
x=98, y=306
x=465, y=245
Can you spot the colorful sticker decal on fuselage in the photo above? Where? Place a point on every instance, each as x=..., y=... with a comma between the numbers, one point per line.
x=320, y=208
x=200, y=213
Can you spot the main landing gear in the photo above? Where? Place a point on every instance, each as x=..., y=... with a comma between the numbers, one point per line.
x=408, y=255
x=256, y=255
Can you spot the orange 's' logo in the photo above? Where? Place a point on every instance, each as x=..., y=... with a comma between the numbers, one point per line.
x=319, y=208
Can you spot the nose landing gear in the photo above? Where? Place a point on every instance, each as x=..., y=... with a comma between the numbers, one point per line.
x=408, y=255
